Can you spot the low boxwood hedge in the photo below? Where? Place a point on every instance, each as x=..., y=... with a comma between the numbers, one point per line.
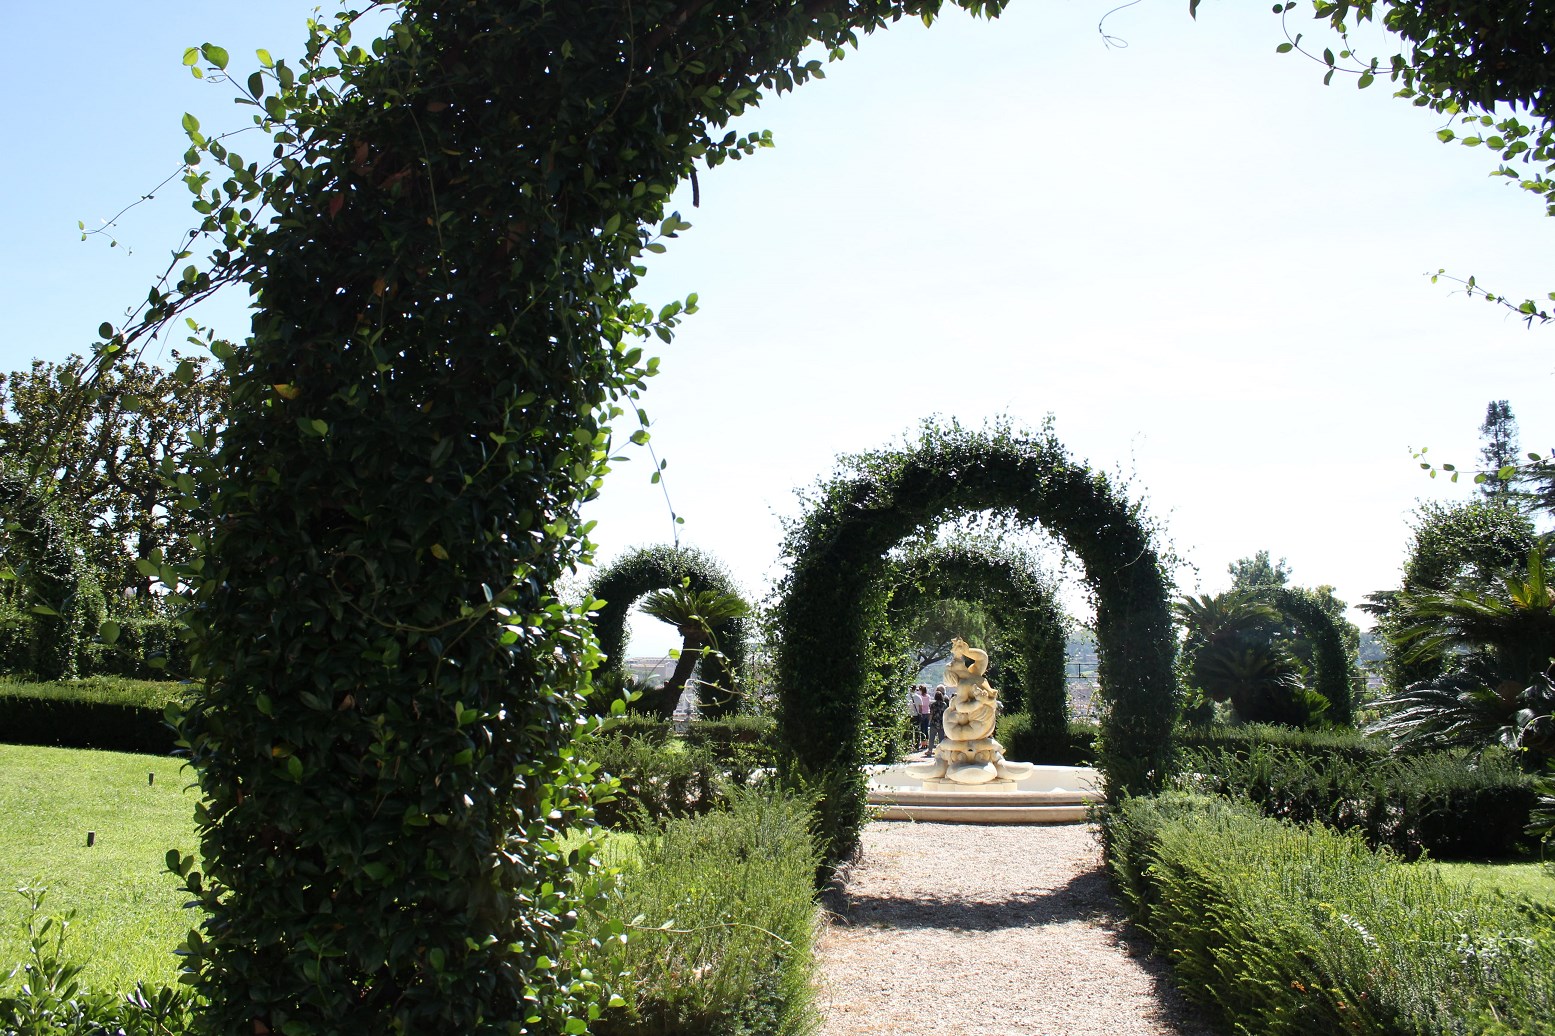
x=719, y=918
x=1318, y=744
x=105, y=713
x=1021, y=742
x=1442, y=803
x=1291, y=930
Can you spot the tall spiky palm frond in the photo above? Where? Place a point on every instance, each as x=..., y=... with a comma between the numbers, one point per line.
x=696, y=615
x=1211, y=619
x=1454, y=711
x=1516, y=629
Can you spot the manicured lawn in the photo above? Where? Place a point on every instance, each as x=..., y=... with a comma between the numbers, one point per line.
x=1530, y=880
x=128, y=916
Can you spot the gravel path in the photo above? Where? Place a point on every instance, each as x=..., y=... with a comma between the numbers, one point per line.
x=979, y=930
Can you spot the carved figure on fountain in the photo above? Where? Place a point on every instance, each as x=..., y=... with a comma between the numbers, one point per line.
x=970, y=754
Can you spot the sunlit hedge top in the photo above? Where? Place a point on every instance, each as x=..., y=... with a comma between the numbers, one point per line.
x=837, y=557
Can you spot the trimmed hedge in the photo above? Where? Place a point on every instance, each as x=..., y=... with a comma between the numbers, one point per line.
x=646, y=569
x=1026, y=603
x=1300, y=931
x=1024, y=744
x=835, y=595
x=1319, y=743
x=103, y=713
x=662, y=777
x=725, y=921
x=1436, y=803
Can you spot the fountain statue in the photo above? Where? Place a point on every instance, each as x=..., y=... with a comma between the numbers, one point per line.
x=969, y=754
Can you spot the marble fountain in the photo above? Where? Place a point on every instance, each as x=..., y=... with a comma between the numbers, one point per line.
x=968, y=779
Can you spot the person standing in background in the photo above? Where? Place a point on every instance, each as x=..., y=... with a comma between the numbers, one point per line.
x=922, y=707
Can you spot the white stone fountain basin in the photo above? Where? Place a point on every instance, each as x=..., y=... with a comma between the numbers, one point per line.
x=1047, y=795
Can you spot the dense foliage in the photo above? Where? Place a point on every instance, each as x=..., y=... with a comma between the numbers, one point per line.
x=57, y=604
x=1023, y=605
x=1468, y=546
x=836, y=594
x=1438, y=803
x=719, y=916
x=1292, y=931
x=111, y=456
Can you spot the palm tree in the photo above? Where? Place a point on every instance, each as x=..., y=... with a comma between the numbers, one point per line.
x=696, y=614
x=1234, y=656
x=1516, y=630
x=1501, y=646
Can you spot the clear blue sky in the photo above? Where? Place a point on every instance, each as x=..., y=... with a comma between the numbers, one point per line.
x=1206, y=265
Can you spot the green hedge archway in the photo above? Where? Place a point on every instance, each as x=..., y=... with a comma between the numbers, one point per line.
x=834, y=594
x=1027, y=605
x=1337, y=674
x=55, y=575
x=646, y=569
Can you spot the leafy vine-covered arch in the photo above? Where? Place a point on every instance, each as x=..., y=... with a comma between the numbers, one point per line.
x=1026, y=604
x=646, y=569
x=443, y=237
x=62, y=594
x=834, y=593
x=1337, y=674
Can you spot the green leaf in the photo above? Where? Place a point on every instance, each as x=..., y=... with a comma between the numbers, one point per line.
x=1285, y=48
x=264, y=58
x=215, y=55
x=191, y=126
x=109, y=632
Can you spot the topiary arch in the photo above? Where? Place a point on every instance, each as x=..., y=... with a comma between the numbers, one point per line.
x=646, y=569
x=834, y=592
x=62, y=592
x=1336, y=675
x=1026, y=604
x=442, y=237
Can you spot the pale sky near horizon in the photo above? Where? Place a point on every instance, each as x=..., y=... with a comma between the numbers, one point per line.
x=1207, y=266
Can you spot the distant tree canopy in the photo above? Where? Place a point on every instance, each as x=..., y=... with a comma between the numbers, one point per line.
x=111, y=459
x=1258, y=570
x=1500, y=452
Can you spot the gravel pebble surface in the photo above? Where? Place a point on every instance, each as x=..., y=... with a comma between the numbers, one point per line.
x=988, y=931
